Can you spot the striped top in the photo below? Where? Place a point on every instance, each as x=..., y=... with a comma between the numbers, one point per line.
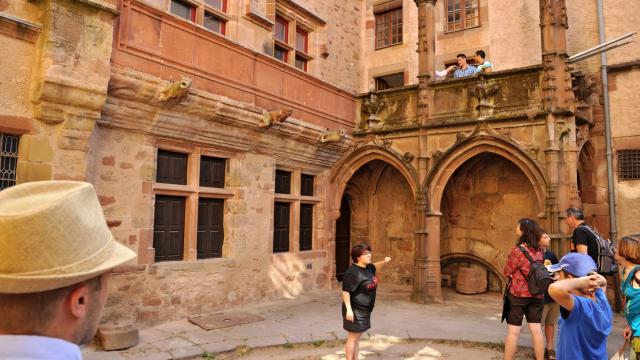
x=470, y=70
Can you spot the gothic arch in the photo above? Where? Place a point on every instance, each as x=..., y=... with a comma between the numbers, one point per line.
x=446, y=259
x=351, y=163
x=447, y=163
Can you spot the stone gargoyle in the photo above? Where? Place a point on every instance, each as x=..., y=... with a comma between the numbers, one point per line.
x=274, y=117
x=332, y=136
x=174, y=91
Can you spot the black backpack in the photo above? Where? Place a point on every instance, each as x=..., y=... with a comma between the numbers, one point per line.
x=607, y=264
x=539, y=277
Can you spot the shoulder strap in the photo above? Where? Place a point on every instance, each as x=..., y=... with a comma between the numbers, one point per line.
x=595, y=233
x=526, y=253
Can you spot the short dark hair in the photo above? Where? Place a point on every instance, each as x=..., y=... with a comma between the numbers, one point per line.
x=531, y=233
x=358, y=249
x=481, y=53
x=575, y=212
x=462, y=56
x=34, y=312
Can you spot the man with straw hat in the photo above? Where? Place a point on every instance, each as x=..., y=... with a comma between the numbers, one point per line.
x=55, y=256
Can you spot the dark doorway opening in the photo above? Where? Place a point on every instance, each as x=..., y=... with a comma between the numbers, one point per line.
x=343, y=238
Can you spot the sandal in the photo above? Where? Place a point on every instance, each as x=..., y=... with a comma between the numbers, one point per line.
x=550, y=354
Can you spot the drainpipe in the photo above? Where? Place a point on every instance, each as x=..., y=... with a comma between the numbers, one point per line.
x=613, y=233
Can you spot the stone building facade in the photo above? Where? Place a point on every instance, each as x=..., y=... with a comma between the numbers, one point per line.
x=241, y=146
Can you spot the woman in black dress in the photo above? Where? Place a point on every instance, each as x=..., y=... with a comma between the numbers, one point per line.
x=359, y=295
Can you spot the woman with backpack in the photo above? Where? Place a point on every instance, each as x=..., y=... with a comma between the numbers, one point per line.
x=628, y=256
x=520, y=302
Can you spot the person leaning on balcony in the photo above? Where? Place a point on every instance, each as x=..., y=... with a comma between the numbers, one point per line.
x=521, y=302
x=485, y=65
x=56, y=255
x=462, y=69
x=359, y=296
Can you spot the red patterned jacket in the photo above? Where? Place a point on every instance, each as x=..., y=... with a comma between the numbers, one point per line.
x=516, y=260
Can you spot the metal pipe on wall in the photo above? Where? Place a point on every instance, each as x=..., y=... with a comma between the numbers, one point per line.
x=613, y=232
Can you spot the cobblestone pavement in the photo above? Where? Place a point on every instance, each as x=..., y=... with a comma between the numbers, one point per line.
x=314, y=318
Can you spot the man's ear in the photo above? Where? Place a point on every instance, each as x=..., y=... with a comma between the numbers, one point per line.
x=77, y=301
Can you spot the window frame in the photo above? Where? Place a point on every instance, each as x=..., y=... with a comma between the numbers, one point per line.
x=628, y=172
x=192, y=192
x=463, y=15
x=5, y=157
x=193, y=9
x=377, y=80
x=199, y=12
x=387, y=16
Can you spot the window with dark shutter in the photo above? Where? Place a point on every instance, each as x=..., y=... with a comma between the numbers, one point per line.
x=212, y=172
x=306, y=227
x=210, y=229
x=172, y=167
x=8, y=160
x=281, y=227
x=628, y=164
x=168, y=228
x=306, y=185
x=283, y=182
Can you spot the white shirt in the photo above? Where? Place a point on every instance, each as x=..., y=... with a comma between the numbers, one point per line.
x=28, y=347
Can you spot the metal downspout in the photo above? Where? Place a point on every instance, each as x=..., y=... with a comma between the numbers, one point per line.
x=613, y=232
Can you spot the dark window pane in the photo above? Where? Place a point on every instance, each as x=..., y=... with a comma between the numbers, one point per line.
x=301, y=63
x=283, y=182
x=306, y=227
x=168, y=228
x=216, y=4
x=628, y=164
x=213, y=23
x=8, y=160
x=306, y=185
x=172, y=167
x=280, y=53
x=212, y=171
x=210, y=228
x=183, y=10
x=281, y=227
x=390, y=81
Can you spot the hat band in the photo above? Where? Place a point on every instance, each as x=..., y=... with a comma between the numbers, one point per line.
x=83, y=265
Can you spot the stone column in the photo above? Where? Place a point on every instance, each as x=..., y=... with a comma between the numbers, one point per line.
x=68, y=89
x=427, y=263
x=560, y=106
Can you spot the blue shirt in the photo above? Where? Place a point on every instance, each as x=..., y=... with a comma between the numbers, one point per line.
x=30, y=347
x=485, y=65
x=470, y=70
x=582, y=333
x=632, y=310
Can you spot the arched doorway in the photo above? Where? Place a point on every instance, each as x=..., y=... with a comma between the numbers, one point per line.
x=481, y=204
x=381, y=207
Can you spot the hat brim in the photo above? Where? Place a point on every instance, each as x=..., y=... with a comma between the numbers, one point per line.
x=556, y=267
x=11, y=284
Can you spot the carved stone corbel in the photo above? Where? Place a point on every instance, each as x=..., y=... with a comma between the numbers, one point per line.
x=332, y=136
x=274, y=117
x=372, y=106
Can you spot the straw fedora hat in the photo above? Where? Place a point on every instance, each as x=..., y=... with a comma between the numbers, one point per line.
x=53, y=234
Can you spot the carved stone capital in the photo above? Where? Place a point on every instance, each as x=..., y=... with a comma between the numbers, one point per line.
x=428, y=2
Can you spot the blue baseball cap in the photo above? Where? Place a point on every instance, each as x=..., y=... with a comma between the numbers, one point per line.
x=576, y=264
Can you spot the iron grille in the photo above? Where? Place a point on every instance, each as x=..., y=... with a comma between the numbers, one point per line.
x=8, y=160
x=629, y=164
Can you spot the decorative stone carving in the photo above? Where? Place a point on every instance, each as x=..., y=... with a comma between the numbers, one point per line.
x=484, y=91
x=436, y=155
x=533, y=151
x=408, y=157
x=562, y=132
x=274, y=117
x=332, y=136
x=175, y=91
x=380, y=141
x=373, y=106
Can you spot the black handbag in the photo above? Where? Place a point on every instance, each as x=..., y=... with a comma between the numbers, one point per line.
x=506, y=305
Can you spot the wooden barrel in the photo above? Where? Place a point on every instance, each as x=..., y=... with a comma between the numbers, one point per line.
x=471, y=280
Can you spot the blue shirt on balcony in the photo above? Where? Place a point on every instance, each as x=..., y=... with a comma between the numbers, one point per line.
x=470, y=70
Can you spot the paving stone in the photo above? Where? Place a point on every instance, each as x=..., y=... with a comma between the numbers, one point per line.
x=323, y=337
x=222, y=346
x=300, y=338
x=172, y=343
x=187, y=352
x=152, y=335
x=266, y=341
x=102, y=355
x=153, y=356
x=177, y=327
x=201, y=336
